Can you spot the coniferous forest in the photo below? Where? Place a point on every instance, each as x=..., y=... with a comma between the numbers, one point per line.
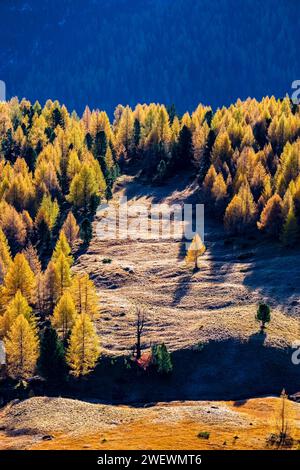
x=107, y=52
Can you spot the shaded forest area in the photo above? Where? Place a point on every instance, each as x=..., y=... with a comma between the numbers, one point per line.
x=106, y=52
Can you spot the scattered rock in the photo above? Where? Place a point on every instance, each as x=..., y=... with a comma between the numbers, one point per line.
x=129, y=269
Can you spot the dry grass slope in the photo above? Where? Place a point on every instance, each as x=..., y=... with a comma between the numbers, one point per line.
x=222, y=297
x=79, y=425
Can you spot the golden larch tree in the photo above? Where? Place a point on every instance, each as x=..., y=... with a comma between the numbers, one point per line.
x=28, y=223
x=196, y=249
x=290, y=230
x=109, y=161
x=17, y=306
x=74, y=165
x=49, y=287
x=33, y=259
x=13, y=226
x=233, y=219
x=209, y=179
x=41, y=301
x=71, y=229
x=22, y=349
x=84, y=295
x=48, y=212
x=64, y=314
x=19, y=277
x=199, y=142
x=124, y=134
x=63, y=277
x=219, y=189
x=62, y=247
x=222, y=149
x=271, y=219
x=84, y=350
x=83, y=187
x=5, y=256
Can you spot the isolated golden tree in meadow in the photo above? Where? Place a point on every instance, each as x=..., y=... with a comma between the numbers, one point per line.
x=140, y=321
x=22, y=348
x=196, y=249
x=84, y=350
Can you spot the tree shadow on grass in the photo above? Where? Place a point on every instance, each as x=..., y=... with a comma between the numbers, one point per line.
x=258, y=338
x=182, y=288
x=275, y=274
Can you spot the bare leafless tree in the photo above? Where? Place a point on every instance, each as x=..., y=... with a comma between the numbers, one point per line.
x=140, y=317
x=283, y=438
x=283, y=417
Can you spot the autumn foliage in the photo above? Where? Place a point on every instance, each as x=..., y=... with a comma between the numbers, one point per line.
x=56, y=167
x=54, y=170
x=255, y=168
